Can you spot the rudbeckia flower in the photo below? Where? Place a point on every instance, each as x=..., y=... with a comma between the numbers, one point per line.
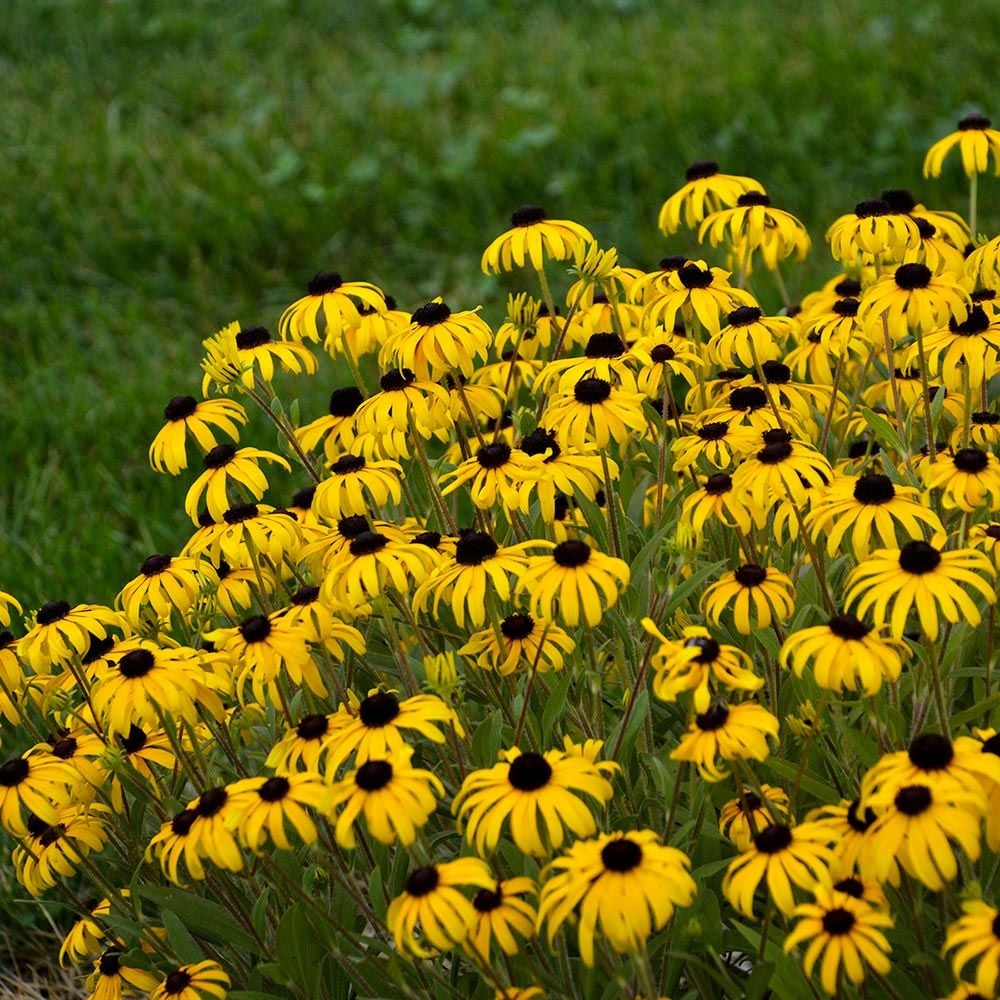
x=373, y=563
x=62, y=631
x=51, y=853
x=573, y=582
x=705, y=191
x=305, y=745
x=984, y=432
x=975, y=139
x=668, y=355
x=565, y=471
x=982, y=266
x=872, y=228
x=356, y=486
x=226, y=464
x=534, y=238
x=337, y=429
x=745, y=406
x=539, y=796
x=237, y=588
x=431, y=908
x=405, y=406
x=84, y=938
x=138, y=749
x=732, y=732
x=969, y=479
x=721, y=443
x=166, y=585
x=625, y=884
x=783, y=467
x=741, y=818
x=922, y=576
x=36, y=784
x=750, y=338
x=202, y=981
x=950, y=225
x=185, y=415
x=256, y=355
x=245, y=529
x=395, y=799
x=976, y=935
x=717, y=501
x=754, y=224
x=438, y=341
x=700, y=294
x=911, y=297
x=496, y=471
x=340, y=302
x=758, y=596
x=111, y=980
x=535, y=643
x=595, y=412
x=605, y=357
x=842, y=932
x=264, y=807
x=502, y=916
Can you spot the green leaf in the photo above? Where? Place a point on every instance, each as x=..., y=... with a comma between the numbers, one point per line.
x=555, y=706
x=202, y=917
x=977, y=711
x=180, y=938
x=884, y=431
x=812, y=785
x=300, y=950
x=255, y=995
x=486, y=741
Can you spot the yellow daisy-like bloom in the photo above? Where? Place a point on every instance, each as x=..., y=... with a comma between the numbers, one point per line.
x=431, y=908
x=316, y=618
x=872, y=228
x=201, y=981
x=111, y=980
x=700, y=294
x=138, y=749
x=987, y=743
x=405, y=405
x=782, y=855
x=497, y=470
x=705, y=191
x=784, y=467
x=258, y=355
x=668, y=355
x=537, y=643
x=921, y=576
x=501, y=917
x=357, y=486
x=373, y=729
x=721, y=443
x=732, y=732
x=986, y=538
x=519, y=993
x=743, y=817
x=975, y=139
x=695, y=660
x=913, y=826
x=842, y=931
x=750, y=337
x=85, y=936
x=395, y=799
x=36, y=784
x=845, y=655
x=147, y=684
x=337, y=429
x=757, y=595
x=969, y=479
x=976, y=935
x=438, y=341
x=484, y=401
x=605, y=356
x=62, y=631
x=627, y=885
x=7, y=602
x=262, y=807
x=848, y=822
x=83, y=749
x=51, y=853
x=912, y=297
x=237, y=588
x=165, y=585
x=185, y=415
x=866, y=507
x=478, y=562
x=950, y=225
x=754, y=224
x=566, y=471
x=595, y=412
x=248, y=528
x=982, y=266
x=573, y=582
x=984, y=432
x=540, y=796
x=534, y=238
x=717, y=501
x=224, y=464
x=339, y=301
x=746, y=406
x=304, y=747
x=373, y=563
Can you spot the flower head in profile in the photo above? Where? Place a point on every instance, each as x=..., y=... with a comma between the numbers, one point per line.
x=976, y=140
x=705, y=190
x=533, y=238
x=756, y=594
x=205, y=980
x=226, y=467
x=976, y=935
x=341, y=304
x=502, y=916
x=186, y=416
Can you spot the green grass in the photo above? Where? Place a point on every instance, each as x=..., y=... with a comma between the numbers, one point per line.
x=168, y=168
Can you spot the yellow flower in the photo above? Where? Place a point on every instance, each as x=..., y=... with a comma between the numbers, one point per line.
x=975, y=140
x=51, y=852
x=185, y=415
x=874, y=229
x=202, y=981
x=536, y=643
x=754, y=224
x=500, y=915
x=338, y=300
x=533, y=238
x=595, y=412
x=165, y=585
x=976, y=934
x=496, y=471
x=743, y=817
x=705, y=191
x=261, y=808
x=357, y=486
x=758, y=596
x=732, y=732
x=224, y=464
x=62, y=631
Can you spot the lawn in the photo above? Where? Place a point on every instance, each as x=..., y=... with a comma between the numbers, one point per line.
x=171, y=167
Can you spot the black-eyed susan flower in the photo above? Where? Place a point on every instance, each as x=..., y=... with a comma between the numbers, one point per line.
x=717, y=501
x=405, y=405
x=923, y=577
x=951, y=226
x=394, y=798
x=431, y=908
x=984, y=432
x=185, y=415
x=478, y=563
x=873, y=228
x=975, y=139
x=746, y=815
x=669, y=355
x=848, y=821
x=374, y=727
x=63, y=630
x=700, y=294
x=82, y=748
x=845, y=934
x=357, y=486
x=496, y=471
x=166, y=585
x=137, y=749
x=34, y=785
x=372, y=564
x=341, y=303
x=753, y=224
x=705, y=191
x=305, y=745
x=695, y=662
x=539, y=796
x=201, y=981
x=260, y=355
x=969, y=479
x=438, y=341
x=235, y=589
x=626, y=885
x=533, y=238
x=722, y=443
x=337, y=429
x=914, y=824
x=911, y=297
x=8, y=601
x=315, y=616
x=594, y=413
x=605, y=357
x=865, y=508
x=533, y=643
x=226, y=464
x=502, y=916
x=845, y=654
x=250, y=529
x=263, y=808
x=784, y=466
x=987, y=743
x=983, y=266
x=52, y=852
x=757, y=595
x=566, y=470
x=750, y=337
x=729, y=732
x=745, y=406
x=84, y=939
x=573, y=582
x=783, y=856
x=111, y=980
x=976, y=935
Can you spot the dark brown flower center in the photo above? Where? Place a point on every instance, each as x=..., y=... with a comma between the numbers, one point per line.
x=312, y=727
x=971, y=460
x=919, y=558
x=429, y=539
x=373, y=775
x=931, y=752
x=874, y=488
x=592, y=391
x=155, y=565
x=517, y=627
x=423, y=881
x=847, y=306
x=701, y=169
x=305, y=595
x=661, y=353
x=211, y=802
x=430, y=314
x=848, y=627
x=134, y=741
x=871, y=208
x=180, y=408
x=773, y=838
x=220, y=455
x=899, y=200
x=621, y=855
x=692, y=276
x=913, y=800
x=251, y=337
x=529, y=772
x=970, y=122
x=367, y=543
x=672, y=263
x=274, y=789
x=718, y=484
x=53, y=611
x=540, y=441
x=744, y=316
x=13, y=772
x=708, y=649
x=177, y=982
x=747, y=397
x=493, y=456
x=325, y=281
x=750, y=575
x=715, y=718
x=397, y=380
x=181, y=824
x=345, y=402
x=110, y=963
x=353, y=526
x=838, y=921
x=912, y=276
x=256, y=628
x=474, y=548
x=486, y=900
x=849, y=287
x=240, y=512
x=604, y=345
x=527, y=215
x=753, y=198
x=136, y=663
x=852, y=886
x=347, y=464
x=571, y=553
x=378, y=710
x=65, y=748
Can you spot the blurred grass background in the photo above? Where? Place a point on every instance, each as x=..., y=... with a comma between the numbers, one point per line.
x=167, y=168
